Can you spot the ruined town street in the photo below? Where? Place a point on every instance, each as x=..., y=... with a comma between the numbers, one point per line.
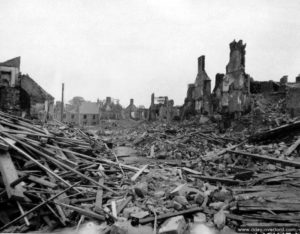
x=126, y=176
x=150, y=117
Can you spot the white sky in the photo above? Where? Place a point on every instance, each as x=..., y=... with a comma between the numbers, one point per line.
x=131, y=48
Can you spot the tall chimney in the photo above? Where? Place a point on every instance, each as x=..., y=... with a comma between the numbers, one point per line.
x=131, y=101
x=298, y=79
x=152, y=99
x=201, y=63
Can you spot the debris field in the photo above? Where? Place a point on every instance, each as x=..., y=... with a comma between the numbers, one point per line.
x=151, y=177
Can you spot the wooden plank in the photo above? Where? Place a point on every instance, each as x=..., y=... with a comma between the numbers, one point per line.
x=36, y=207
x=22, y=212
x=218, y=179
x=85, y=212
x=267, y=158
x=137, y=174
x=61, y=214
x=42, y=181
x=292, y=147
x=9, y=175
x=98, y=203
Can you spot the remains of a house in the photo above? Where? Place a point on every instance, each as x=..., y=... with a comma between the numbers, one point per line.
x=111, y=109
x=226, y=161
x=161, y=108
x=20, y=94
x=131, y=110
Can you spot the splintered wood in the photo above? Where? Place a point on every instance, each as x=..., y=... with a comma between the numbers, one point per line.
x=55, y=176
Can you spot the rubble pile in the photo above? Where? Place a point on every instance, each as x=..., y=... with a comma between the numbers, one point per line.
x=147, y=178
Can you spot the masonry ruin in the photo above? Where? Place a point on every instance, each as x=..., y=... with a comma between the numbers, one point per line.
x=232, y=161
x=20, y=94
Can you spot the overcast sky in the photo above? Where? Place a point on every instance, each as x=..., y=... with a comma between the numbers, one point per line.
x=131, y=48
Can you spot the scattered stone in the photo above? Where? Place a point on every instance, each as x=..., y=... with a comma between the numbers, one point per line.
x=199, y=217
x=174, y=225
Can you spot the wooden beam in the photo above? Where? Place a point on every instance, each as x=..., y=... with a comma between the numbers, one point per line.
x=292, y=147
x=218, y=179
x=137, y=174
x=267, y=158
x=9, y=175
x=36, y=207
x=98, y=203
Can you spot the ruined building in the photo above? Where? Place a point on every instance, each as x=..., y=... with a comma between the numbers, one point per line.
x=156, y=104
x=131, y=111
x=231, y=95
x=202, y=89
x=111, y=109
x=198, y=98
x=20, y=94
x=161, y=108
x=232, y=90
x=88, y=113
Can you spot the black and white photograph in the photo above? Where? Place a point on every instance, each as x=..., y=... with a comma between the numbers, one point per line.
x=150, y=116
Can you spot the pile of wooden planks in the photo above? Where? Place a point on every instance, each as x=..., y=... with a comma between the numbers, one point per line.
x=52, y=175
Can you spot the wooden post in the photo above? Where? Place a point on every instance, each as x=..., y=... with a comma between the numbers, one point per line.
x=62, y=102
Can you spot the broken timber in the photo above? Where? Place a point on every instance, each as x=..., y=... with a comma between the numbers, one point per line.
x=267, y=158
x=292, y=147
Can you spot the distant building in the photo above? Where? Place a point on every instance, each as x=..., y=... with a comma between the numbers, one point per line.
x=131, y=111
x=88, y=113
x=111, y=110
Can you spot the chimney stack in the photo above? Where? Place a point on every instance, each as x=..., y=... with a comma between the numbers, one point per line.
x=152, y=99
x=131, y=101
x=108, y=99
x=298, y=79
x=201, y=63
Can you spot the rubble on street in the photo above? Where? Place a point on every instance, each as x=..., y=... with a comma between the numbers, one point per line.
x=150, y=177
x=225, y=161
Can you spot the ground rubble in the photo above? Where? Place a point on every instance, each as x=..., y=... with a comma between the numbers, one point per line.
x=149, y=177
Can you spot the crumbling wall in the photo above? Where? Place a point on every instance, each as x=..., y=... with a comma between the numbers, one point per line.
x=131, y=111
x=233, y=91
x=217, y=93
x=202, y=88
x=293, y=99
x=198, y=98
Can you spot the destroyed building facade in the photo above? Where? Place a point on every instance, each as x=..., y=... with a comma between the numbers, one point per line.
x=161, y=108
x=232, y=90
x=131, y=111
x=231, y=94
x=20, y=94
x=202, y=90
x=198, y=99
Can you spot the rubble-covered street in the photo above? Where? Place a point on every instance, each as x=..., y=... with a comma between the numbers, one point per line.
x=150, y=117
x=141, y=177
